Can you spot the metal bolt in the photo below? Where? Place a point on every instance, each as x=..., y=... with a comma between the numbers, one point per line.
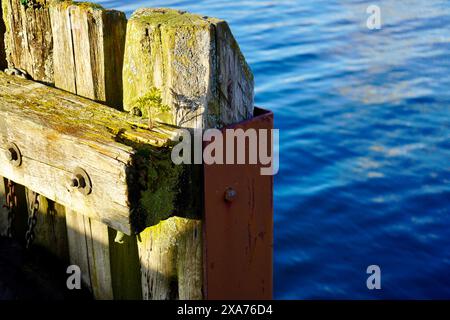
x=230, y=195
x=74, y=183
x=80, y=180
x=13, y=155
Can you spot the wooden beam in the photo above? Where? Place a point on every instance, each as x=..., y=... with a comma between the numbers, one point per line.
x=78, y=249
x=58, y=132
x=89, y=250
x=97, y=241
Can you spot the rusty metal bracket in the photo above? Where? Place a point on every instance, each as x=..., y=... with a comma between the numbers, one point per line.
x=238, y=226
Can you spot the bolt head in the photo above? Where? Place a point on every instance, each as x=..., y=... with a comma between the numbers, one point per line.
x=74, y=183
x=81, y=183
x=12, y=155
x=78, y=182
x=230, y=195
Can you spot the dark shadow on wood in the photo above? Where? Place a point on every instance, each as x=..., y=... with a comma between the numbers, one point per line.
x=33, y=275
x=3, y=63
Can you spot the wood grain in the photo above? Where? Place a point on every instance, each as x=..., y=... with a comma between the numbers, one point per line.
x=196, y=64
x=28, y=39
x=171, y=260
x=59, y=132
x=88, y=58
x=88, y=51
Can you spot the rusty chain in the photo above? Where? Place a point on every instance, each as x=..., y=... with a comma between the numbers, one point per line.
x=32, y=220
x=11, y=204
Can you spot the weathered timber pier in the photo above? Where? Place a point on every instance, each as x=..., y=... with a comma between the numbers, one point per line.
x=90, y=107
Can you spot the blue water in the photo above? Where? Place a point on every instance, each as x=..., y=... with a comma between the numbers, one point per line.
x=365, y=139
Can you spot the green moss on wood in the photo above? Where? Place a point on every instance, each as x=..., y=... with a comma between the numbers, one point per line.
x=165, y=47
x=151, y=53
x=168, y=17
x=156, y=178
x=160, y=179
x=175, y=246
x=83, y=5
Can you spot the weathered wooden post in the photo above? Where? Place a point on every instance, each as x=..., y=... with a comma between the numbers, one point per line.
x=88, y=50
x=192, y=67
x=28, y=38
x=117, y=205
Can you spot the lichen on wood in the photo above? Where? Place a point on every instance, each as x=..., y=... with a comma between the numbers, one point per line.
x=114, y=147
x=194, y=61
x=160, y=189
x=171, y=260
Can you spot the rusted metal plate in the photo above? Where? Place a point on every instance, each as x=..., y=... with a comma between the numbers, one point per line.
x=238, y=253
